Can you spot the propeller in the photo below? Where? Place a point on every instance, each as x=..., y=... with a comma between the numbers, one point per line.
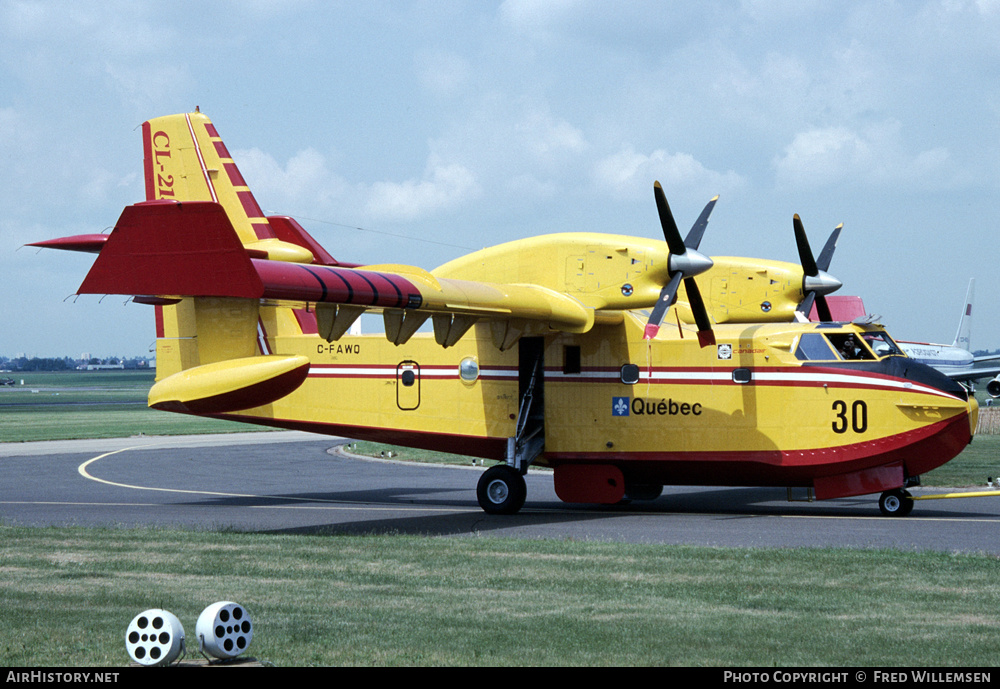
x=685, y=262
x=816, y=282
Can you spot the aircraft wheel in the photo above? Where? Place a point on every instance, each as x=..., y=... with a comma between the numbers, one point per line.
x=895, y=503
x=642, y=491
x=501, y=490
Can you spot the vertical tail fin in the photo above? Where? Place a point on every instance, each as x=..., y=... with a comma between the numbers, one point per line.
x=186, y=160
x=963, y=338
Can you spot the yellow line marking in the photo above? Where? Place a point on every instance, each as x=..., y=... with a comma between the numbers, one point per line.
x=975, y=494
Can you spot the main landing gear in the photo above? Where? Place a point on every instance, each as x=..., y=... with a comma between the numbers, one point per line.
x=501, y=490
x=896, y=503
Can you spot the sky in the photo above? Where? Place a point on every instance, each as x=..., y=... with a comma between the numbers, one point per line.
x=414, y=132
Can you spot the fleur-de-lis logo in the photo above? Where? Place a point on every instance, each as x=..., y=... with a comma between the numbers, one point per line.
x=619, y=406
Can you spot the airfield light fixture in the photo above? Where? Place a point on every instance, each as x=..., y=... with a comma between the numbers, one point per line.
x=224, y=630
x=155, y=638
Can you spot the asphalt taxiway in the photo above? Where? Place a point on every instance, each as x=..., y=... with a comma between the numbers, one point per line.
x=288, y=482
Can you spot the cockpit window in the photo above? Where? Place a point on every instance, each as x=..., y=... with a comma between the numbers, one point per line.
x=881, y=344
x=850, y=347
x=814, y=347
x=845, y=346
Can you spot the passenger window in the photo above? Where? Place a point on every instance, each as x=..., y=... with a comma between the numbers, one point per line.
x=630, y=374
x=814, y=347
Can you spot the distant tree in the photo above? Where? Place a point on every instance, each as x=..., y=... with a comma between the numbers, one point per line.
x=45, y=364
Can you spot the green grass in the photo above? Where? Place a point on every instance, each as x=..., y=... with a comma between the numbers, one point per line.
x=67, y=595
x=93, y=404
x=979, y=461
x=410, y=454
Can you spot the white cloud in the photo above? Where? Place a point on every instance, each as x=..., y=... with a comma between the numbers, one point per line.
x=875, y=156
x=534, y=14
x=305, y=178
x=630, y=174
x=306, y=185
x=443, y=186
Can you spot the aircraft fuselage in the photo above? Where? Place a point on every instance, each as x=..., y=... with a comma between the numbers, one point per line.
x=759, y=407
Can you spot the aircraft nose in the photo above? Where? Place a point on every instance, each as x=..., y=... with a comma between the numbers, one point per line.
x=906, y=368
x=973, y=415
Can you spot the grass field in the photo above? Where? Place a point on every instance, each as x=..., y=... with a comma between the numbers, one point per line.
x=92, y=404
x=67, y=596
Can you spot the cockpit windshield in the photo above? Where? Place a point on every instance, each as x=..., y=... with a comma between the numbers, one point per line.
x=849, y=346
x=881, y=344
x=865, y=346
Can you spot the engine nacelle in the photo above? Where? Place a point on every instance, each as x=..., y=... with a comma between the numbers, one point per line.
x=993, y=387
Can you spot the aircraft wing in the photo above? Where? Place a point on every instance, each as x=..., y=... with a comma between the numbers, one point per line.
x=172, y=249
x=982, y=367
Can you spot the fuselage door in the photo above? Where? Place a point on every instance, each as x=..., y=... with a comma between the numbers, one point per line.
x=408, y=385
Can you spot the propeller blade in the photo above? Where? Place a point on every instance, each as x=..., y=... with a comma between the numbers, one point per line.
x=698, y=229
x=823, y=309
x=670, y=231
x=805, y=306
x=705, y=334
x=823, y=263
x=805, y=253
x=667, y=295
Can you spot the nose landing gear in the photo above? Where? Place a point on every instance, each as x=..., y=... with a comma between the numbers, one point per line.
x=895, y=503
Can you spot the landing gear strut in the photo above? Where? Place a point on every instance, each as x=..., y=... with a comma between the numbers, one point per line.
x=502, y=489
x=895, y=503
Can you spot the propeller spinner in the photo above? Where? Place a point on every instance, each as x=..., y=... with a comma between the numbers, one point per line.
x=685, y=262
x=816, y=282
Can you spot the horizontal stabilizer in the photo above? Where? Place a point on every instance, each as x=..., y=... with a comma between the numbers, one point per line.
x=229, y=386
x=170, y=248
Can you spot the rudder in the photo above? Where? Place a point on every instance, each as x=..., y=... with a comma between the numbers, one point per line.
x=185, y=159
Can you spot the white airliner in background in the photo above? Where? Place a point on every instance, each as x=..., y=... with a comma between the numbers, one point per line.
x=956, y=360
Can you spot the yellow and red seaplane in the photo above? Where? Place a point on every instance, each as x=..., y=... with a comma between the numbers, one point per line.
x=554, y=351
